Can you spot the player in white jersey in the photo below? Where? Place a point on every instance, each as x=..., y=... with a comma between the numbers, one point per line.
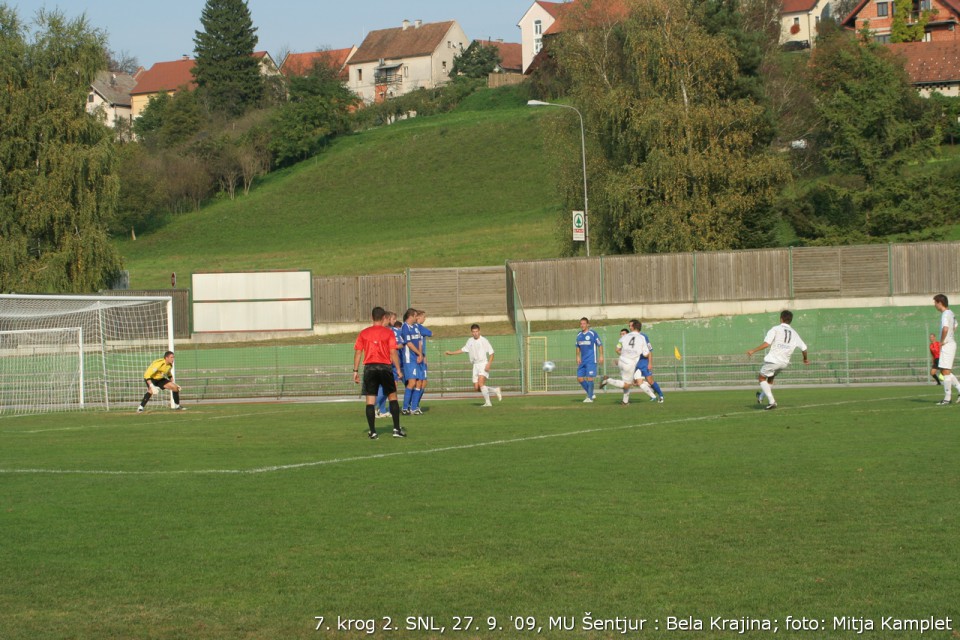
x=481, y=355
x=782, y=341
x=948, y=347
x=631, y=347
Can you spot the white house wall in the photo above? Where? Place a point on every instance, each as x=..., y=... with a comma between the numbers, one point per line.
x=528, y=37
x=422, y=72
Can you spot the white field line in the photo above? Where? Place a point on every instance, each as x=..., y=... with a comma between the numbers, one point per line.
x=475, y=445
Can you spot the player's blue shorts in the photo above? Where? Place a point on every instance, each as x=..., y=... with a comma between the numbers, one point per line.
x=423, y=369
x=643, y=366
x=412, y=371
x=587, y=370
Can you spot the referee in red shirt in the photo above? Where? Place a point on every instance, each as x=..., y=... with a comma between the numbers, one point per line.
x=377, y=347
x=935, y=364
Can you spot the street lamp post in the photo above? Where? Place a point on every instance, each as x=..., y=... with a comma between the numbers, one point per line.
x=583, y=152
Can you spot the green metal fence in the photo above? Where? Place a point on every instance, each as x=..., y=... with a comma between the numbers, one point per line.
x=854, y=346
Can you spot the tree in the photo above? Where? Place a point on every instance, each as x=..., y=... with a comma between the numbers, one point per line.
x=680, y=155
x=58, y=191
x=122, y=62
x=318, y=109
x=227, y=74
x=476, y=61
x=903, y=28
x=872, y=136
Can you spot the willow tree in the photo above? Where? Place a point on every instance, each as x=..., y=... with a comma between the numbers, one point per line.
x=58, y=189
x=680, y=154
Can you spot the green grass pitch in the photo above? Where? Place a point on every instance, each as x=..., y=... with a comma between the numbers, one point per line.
x=839, y=510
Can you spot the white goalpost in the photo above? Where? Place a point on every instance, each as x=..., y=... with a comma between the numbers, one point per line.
x=60, y=353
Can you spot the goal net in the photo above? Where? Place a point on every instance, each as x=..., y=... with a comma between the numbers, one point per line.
x=61, y=353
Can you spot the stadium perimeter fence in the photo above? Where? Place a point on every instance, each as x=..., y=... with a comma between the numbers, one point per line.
x=867, y=346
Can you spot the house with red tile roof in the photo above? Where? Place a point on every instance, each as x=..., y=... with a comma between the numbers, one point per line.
x=546, y=19
x=162, y=77
x=534, y=23
x=392, y=62
x=511, y=55
x=933, y=67
x=877, y=16
x=300, y=64
x=799, y=21
x=177, y=75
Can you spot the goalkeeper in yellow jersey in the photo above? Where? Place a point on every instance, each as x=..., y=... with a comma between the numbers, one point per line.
x=157, y=377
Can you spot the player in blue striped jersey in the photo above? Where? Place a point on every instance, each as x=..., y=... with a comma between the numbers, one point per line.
x=589, y=357
x=421, y=385
x=645, y=365
x=410, y=357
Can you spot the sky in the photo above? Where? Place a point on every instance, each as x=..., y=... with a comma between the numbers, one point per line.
x=162, y=30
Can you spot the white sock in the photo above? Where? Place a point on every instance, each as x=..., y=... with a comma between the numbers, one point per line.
x=626, y=394
x=615, y=382
x=485, y=390
x=948, y=383
x=645, y=387
x=956, y=383
x=767, y=389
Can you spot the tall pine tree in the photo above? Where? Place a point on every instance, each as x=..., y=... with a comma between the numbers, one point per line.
x=58, y=191
x=227, y=74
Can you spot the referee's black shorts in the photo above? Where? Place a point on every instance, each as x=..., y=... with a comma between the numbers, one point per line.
x=376, y=376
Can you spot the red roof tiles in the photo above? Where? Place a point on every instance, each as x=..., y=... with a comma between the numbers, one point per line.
x=410, y=42
x=166, y=76
x=930, y=62
x=511, y=54
x=300, y=64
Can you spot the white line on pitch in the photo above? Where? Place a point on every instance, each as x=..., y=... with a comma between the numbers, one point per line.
x=475, y=445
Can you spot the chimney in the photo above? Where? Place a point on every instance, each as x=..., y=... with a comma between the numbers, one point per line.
x=417, y=24
x=405, y=25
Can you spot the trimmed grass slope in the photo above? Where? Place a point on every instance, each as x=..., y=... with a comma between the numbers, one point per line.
x=468, y=188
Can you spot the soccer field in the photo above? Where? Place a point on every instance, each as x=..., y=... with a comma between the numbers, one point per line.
x=704, y=517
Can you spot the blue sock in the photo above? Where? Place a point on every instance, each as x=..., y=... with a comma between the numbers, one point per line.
x=584, y=385
x=656, y=389
x=417, y=394
x=589, y=388
x=407, y=398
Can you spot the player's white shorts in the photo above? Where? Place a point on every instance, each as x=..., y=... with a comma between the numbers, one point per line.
x=627, y=369
x=770, y=369
x=948, y=352
x=480, y=369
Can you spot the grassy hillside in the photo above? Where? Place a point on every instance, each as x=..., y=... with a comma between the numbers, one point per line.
x=469, y=188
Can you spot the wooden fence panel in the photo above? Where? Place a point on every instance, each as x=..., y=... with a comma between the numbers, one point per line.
x=350, y=298
x=559, y=283
x=435, y=291
x=816, y=272
x=864, y=271
x=335, y=299
x=743, y=275
x=648, y=279
x=925, y=268
x=483, y=291
x=387, y=291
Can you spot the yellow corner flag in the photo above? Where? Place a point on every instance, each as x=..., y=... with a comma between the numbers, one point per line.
x=676, y=353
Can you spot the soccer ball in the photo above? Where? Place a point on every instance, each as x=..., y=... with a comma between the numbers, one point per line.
x=549, y=366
